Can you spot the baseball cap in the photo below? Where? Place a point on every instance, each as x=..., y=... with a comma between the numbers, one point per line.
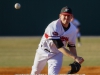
x=66, y=10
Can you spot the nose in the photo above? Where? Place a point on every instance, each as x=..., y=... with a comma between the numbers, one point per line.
x=67, y=16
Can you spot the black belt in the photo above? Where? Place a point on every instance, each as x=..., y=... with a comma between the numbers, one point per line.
x=46, y=50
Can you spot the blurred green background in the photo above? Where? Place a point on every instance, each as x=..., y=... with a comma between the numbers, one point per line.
x=20, y=51
x=32, y=19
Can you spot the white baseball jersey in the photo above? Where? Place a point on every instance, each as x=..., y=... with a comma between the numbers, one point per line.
x=55, y=30
x=54, y=58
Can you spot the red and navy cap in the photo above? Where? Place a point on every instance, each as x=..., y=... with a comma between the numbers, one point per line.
x=66, y=10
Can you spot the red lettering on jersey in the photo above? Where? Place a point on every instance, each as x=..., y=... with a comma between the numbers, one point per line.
x=46, y=35
x=55, y=33
x=64, y=38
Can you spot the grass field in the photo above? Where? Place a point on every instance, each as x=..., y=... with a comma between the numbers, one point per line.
x=20, y=51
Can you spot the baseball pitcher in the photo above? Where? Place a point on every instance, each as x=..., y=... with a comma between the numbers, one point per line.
x=58, y=34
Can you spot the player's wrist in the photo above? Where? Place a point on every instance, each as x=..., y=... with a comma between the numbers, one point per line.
x=75, y=57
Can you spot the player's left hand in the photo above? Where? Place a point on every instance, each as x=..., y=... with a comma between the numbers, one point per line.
x=75, y=67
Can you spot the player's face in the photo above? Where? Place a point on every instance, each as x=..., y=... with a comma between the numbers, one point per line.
x=65, y=18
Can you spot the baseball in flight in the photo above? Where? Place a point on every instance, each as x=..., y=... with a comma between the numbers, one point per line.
x=17, y=5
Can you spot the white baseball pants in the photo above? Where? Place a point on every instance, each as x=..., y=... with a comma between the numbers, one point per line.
x=42, y=57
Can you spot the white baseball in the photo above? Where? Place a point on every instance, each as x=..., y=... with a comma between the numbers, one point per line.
x=17, y=6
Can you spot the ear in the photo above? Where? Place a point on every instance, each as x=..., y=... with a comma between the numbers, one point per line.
x=72, y=16
x=59, y=15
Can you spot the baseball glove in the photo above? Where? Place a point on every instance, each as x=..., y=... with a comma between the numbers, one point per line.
x=75, y=67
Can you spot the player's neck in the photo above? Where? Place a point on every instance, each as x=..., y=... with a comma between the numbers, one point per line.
x=65, y=25
x=66, y=28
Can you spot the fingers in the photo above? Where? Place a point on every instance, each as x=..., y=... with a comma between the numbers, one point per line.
x=80, y=60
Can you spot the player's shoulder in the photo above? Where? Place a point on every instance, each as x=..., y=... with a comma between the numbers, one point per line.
x=53, y=24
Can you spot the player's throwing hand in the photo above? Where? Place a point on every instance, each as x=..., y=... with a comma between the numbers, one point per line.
x=80, y=60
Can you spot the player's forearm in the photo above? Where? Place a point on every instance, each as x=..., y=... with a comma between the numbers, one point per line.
x=67, y=52
x=73, y=50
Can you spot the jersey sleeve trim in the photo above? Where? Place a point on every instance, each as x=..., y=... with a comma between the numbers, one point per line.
x=51, y=37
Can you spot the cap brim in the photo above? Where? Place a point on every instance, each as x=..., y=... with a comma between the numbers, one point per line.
x=65, y=13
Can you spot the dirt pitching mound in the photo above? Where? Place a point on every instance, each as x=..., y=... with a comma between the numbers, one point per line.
x=64, y=70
